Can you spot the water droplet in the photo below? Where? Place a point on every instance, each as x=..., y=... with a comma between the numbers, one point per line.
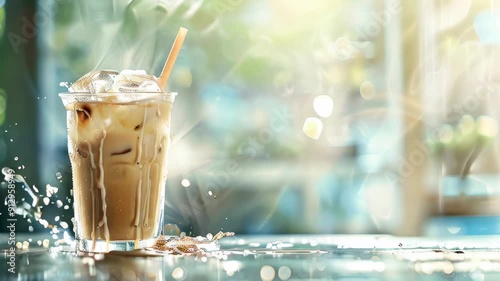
x=16, y=158
x=58, y=176
x=56, y=218
x=46, y=200
x=11, y=140
x=64, y=84
x=284, y=273
x=185, y=183
x=448, y=268
x=30, y=228
x=210, y=193
x=59, y=203
x=267, y=273
x=66, y=207
x=178, y=273
x=50, y=190
x=64, y=224
x=231, y=267
x=44, y=223
x=15, y=124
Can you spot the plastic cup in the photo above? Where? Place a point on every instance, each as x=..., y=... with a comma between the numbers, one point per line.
x=118, y=145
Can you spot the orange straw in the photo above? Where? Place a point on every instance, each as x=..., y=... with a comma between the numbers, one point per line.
x=174, y=52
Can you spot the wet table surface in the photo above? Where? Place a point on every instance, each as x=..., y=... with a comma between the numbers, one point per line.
x=297, y=257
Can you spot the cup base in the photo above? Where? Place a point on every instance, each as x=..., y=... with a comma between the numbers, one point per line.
x=101, y=246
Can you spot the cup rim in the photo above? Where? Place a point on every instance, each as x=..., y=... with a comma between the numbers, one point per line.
x=68, y=98
x=109, y=94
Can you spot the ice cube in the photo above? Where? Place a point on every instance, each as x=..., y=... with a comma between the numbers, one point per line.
x=123, y=84
x=135, y=81
x=101, y=81
x=149, y=86
x=100, y=86
x=133, y=72
x=96, y=81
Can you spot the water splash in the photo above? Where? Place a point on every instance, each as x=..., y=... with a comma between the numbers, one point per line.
x=34, y=210
x=9, y=175
x=66, y=85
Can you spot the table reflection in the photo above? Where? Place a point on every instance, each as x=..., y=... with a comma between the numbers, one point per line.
x=276, y=258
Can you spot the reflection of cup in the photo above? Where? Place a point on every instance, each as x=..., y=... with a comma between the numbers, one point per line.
x=118, y=144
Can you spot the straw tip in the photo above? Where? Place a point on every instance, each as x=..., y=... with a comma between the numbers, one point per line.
x=169, y=64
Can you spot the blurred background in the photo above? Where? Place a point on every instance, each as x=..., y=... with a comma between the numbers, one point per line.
x=326, y=116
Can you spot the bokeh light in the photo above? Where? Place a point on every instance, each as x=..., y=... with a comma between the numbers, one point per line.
x=313, y=127
x=323, y=105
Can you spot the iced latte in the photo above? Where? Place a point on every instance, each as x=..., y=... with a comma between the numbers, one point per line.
x=118, y=138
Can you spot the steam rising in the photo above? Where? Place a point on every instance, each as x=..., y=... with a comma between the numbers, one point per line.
x=125, y=36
